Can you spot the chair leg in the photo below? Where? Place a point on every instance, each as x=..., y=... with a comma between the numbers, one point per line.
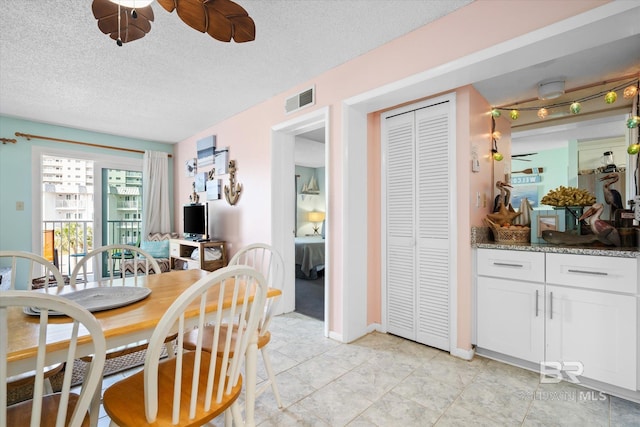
x=47, y=387
x=233, y=416
x=272, y=377
x=94, y=408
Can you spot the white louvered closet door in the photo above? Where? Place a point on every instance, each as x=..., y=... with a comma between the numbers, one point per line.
x=432, y=226
x=400, y=189
x=417, y=224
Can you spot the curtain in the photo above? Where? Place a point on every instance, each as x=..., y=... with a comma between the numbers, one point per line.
x=155, y=193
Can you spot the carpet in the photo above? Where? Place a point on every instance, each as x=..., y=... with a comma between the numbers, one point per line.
x=111, y=367
x=310, y=297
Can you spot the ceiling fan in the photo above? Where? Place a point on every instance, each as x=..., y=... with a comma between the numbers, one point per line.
x=129, y=20
x=517, y=156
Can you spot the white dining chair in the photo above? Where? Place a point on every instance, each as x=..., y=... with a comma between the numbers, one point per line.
x=195, y=386
x=64, y=408
x=33, y=266
x=111, y=258
x=268, y=261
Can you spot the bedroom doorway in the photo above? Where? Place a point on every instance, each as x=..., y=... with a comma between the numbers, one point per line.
x=310, y=213
x=284, y=193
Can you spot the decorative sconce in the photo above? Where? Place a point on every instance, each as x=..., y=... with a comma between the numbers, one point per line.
x=233, y=190
x=316, y=217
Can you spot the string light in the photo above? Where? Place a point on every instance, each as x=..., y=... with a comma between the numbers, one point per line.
x=543, y=113
x=629, y=89
x=633, y=122
x=630, y=92
x=575, y=108
x=495, y=135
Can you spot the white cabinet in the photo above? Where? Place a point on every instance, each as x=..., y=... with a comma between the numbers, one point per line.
x=511, y=318
x=584, y=311
x=597, y=329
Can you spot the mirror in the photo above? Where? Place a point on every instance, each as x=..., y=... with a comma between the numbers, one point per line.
x=571, y=155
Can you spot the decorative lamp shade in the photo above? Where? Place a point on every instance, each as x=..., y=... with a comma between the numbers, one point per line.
x=315, y=216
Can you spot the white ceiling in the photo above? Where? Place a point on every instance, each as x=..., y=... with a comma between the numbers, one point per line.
x=57, y=67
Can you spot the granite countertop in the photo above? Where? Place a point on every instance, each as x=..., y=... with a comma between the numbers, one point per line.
x=480, y=239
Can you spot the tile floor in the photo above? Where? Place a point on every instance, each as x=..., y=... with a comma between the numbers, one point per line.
x=382, y=380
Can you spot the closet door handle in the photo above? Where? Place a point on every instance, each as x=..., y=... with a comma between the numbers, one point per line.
x=536, y=303
x=596, y=273
x=550, y=305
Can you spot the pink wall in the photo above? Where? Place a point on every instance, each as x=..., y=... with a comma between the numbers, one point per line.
x=477, y=26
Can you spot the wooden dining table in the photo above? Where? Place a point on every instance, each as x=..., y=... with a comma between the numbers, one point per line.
x=121, y=326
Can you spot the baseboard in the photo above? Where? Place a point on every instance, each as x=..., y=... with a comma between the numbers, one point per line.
x=336, y=336
x=463, y=354
x=375, y=327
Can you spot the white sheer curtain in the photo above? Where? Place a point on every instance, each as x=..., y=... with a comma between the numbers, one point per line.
x=155, y=193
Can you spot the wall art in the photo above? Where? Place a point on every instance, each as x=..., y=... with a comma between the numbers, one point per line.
x=206, y=150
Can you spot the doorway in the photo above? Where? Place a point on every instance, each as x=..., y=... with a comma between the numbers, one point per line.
x=310, y=214
x=283, y=215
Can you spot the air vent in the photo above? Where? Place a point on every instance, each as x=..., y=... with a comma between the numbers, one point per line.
x=300, y=100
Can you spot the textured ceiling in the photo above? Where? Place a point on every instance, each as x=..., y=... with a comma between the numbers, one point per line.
x=57, y=67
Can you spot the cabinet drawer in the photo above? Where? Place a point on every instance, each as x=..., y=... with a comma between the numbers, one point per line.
x=593, y=272
x=519, y=265
x=174, y=249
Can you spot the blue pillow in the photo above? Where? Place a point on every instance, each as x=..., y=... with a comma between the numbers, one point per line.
x=157, y=249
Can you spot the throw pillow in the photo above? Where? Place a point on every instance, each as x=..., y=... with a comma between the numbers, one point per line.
x=157, y=249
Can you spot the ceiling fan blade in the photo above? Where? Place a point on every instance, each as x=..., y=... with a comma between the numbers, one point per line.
x=110, y=24
x=193, y=13
x=146, y=12
x=244, y=29
x=168, y=5
x=131, y=29
x=128, y=34
x=103, y=8
x=521, y=160
x=523, y=155
x=219, y=26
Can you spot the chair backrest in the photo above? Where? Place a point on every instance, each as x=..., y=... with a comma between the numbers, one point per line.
x=80, y=322
x=113, y=258
x=32, y=262
x=233, y=282
x=267, y=261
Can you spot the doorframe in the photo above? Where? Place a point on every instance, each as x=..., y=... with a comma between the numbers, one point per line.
x=105, y=161
x=452, y=243
x=282, y=201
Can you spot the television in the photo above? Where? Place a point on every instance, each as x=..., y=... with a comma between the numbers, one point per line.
x=195, y=221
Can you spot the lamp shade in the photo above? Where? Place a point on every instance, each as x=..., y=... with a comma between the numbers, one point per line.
x=315, y=216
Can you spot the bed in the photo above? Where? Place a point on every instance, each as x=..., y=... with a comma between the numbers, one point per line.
x=309, y=256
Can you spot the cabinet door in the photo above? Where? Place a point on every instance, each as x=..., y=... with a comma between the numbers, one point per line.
x=511, y=318
x=594, y=328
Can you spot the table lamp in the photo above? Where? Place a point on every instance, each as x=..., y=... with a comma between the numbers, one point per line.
x=316, y=217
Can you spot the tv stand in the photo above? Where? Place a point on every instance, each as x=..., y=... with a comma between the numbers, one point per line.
x=181, y=250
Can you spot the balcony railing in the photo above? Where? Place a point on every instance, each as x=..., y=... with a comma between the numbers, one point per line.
x=65, y=242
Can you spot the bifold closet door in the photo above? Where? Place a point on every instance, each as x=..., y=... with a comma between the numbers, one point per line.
x=417, y=224
x=400, y=224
